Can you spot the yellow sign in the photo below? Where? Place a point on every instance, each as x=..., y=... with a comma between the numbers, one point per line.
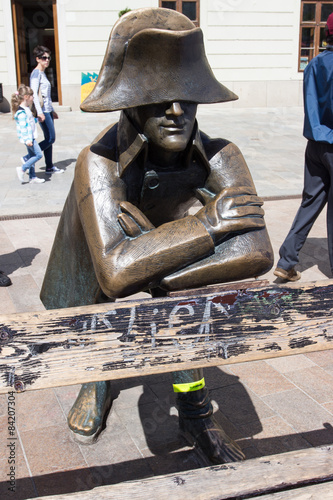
x=88, y=82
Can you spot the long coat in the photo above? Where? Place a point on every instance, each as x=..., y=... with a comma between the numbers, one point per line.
x=94, y=258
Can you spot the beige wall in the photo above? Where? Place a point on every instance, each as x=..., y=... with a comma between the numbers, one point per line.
x=7, y=59
x=7, y=55
x=252, y=39
x=252, y=46
x=3, y=51
x=85, y=29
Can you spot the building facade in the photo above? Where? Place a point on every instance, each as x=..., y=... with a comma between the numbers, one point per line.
x=257, y=48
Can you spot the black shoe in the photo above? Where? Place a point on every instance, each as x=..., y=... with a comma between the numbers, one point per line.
x=197, y=423
x=209, y=436
x=4, y=280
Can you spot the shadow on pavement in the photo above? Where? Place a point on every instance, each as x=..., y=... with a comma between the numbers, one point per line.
x=315, y=253
x=22, y=257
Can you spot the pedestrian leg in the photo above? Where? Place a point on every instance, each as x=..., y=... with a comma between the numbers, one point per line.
x=314, y=198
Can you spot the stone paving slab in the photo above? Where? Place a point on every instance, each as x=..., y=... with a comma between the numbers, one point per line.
x=269, y=406
x=270, y=139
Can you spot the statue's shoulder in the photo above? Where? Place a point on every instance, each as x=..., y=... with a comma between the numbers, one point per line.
x=105, y=144
x=218, y=145
x=100, y=154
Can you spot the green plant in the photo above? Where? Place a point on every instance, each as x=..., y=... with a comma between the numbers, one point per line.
x=122, y=12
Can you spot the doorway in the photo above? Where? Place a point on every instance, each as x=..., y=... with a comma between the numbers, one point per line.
x=35, y=23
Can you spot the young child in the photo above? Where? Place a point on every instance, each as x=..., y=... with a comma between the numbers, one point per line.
x=26, y=129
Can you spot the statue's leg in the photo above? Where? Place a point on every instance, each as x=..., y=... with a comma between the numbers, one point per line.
x=85, y=419
x=196, y=418
x=86, y=416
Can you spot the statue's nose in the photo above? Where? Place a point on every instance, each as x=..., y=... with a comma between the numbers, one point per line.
x=175, y=109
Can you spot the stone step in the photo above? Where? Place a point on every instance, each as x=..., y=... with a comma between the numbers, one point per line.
x=61, y=109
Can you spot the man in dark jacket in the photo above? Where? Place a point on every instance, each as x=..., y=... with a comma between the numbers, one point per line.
x=318, y=169
x=125, y=227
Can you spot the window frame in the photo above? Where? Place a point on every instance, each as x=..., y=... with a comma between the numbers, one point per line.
x=317, y=24
x=179, y=4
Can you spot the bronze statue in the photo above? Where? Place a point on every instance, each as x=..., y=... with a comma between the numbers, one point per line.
x=125, y=226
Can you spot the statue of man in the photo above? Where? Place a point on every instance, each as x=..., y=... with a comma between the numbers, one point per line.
x=125, y=226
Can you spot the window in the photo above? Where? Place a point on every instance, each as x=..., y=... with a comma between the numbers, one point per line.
x=189, y=8
x=312, y=33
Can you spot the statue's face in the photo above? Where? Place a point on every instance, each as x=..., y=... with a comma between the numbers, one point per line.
x=167, y=126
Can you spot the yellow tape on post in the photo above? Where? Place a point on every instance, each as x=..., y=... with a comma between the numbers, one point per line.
x=190, y=386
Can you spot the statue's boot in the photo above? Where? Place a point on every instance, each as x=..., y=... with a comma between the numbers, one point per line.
x=196, y=420
x=86, y=417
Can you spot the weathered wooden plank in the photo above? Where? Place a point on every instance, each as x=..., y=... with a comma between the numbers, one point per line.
x=323, y=491
x=124, y=339
x=237, y=480
x=218, y=289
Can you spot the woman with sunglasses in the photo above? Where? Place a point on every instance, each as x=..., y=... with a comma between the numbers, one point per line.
x=45, y=112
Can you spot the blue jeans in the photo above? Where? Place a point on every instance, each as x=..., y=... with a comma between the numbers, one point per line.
x=49, y=138
x=34, y=154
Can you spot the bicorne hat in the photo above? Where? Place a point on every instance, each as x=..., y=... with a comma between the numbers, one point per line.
x=154, y=55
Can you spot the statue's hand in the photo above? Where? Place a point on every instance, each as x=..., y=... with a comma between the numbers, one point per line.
x=235, y=209
x=132, y=220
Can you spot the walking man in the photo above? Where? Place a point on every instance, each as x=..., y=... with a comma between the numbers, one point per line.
x=318, y=169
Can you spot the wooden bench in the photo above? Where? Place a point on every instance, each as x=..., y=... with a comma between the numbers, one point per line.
x=212, y=326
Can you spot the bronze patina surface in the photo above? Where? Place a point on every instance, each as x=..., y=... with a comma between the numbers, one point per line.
x=125, y=226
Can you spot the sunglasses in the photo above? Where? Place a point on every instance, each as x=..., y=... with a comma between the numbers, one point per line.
x=46, y=58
